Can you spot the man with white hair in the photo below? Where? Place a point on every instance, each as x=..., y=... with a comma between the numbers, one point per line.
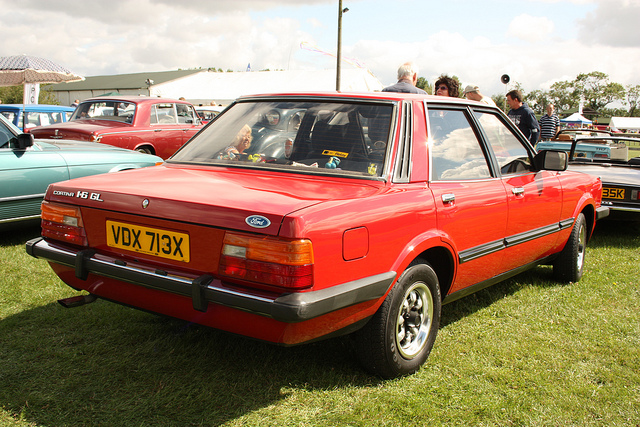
x=407, y=79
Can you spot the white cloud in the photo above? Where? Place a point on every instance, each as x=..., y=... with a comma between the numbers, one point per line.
x=123, y=36
x=613, y=23
x=315, y=23
x=530, y=28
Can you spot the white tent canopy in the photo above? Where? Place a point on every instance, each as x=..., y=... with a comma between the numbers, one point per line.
x=619, y=123
x=576, y=118
x=225, y=87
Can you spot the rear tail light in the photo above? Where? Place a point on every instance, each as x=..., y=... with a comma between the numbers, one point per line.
x=268, y=261
x=63, y=222
x=600, y=156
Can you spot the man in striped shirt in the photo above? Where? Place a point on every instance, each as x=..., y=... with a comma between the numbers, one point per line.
x=549, y=124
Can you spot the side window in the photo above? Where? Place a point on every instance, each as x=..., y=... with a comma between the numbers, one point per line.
x=456, y=153
x=5, y=137
x=163, y=114
x=55, y=117
x=186, y=113
x=512, y=156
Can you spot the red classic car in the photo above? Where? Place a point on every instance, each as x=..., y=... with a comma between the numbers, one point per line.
x=150, y=125
x=363, y=218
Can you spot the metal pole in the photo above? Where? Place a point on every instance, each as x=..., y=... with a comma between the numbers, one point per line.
x=339, y=45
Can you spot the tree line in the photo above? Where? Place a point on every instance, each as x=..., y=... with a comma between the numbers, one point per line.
x=594, y=90
x=13, y=95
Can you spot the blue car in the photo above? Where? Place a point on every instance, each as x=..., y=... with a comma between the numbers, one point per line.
x=28, y=166
x=36, y=114
x=593, y=144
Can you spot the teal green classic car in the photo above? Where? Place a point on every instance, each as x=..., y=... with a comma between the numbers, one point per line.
x=28, y=166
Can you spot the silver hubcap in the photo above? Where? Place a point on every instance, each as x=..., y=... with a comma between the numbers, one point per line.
x=414, y=320
x=582, y=239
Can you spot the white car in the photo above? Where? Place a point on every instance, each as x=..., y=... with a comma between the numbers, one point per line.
x=208, y=112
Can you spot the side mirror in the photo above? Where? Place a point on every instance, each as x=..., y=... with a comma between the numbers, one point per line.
x=22, y=141
x=551, y=160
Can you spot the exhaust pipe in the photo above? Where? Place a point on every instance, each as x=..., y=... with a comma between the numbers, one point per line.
x=77, y=301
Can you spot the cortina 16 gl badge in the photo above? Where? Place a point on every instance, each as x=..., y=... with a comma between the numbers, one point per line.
x=257, y=221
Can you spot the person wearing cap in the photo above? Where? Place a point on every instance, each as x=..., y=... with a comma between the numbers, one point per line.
x=407, y=79
x=473, y=93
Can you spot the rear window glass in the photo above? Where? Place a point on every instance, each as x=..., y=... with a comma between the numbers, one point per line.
x=105, y=110
x=327, y=137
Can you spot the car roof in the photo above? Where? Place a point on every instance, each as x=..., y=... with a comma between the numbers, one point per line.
x=134, y=99
x=368, y=96
x=397, y=96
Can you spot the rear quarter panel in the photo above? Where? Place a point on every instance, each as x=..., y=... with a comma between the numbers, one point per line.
x=391, y=219
x=581, y=192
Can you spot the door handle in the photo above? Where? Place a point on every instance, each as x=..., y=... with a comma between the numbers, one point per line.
x=517, y=191
x=448, y=198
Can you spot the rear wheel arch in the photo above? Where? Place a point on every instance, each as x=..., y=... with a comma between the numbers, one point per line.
x=435, y=249
x=145, y=148
x=442, y=261
x=589, y=213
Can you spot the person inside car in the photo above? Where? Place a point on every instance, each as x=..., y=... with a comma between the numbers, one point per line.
x=241, y=142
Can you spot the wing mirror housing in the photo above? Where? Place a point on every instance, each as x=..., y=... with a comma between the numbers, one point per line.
x=22, y=141
x=551, y=160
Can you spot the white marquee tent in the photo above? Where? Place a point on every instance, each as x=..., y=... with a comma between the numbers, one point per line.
x=225, y=87
x=576, y=119
x=626, y=123
x=204, y=86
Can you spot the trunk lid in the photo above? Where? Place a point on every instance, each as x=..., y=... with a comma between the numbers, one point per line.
x=189, y=208
x=80, y=130
x=212, y=196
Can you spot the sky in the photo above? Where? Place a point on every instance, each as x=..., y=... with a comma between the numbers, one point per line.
x=535, y=42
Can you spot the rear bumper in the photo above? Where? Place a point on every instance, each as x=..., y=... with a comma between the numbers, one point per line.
x=290, y=308
x=623, y=207
x=602, y=212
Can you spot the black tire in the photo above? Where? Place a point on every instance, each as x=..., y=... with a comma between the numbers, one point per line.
x=569, y=265
x=399, y=337
x=145, y=150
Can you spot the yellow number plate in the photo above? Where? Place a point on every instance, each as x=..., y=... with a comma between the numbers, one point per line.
x=612, y=193
x=151, y=241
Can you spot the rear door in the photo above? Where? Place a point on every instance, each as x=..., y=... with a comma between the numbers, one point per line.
x=471, y=202
x=188, y=120
x=168, y=134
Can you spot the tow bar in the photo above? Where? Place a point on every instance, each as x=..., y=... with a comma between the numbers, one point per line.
x=72, y=302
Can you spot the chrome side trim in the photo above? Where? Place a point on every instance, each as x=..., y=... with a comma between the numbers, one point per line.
x=509, y=241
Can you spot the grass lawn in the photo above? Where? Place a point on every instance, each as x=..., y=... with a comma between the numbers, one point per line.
x=526, y=352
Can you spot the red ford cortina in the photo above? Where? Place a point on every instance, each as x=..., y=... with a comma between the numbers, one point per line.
x=363, y=218
x=150, y=125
